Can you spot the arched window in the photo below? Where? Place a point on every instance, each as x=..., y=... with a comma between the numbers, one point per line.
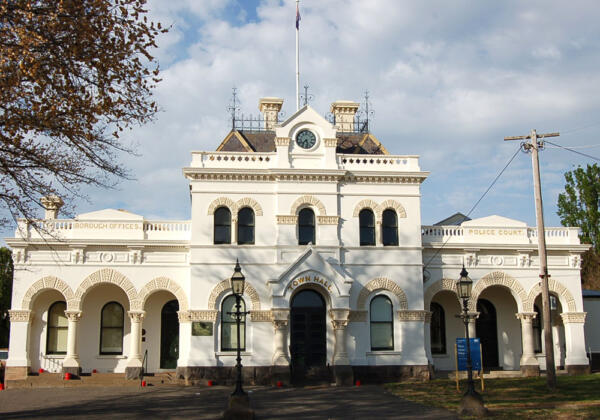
x=245, y=226
x=306, y=227
x=367, y=227
x=222, y=226
x=536, y=323
x=382, y=324
x=437, y=329
x=389, y=226
x=111, y=329
x=229, y=327
x=56, y=338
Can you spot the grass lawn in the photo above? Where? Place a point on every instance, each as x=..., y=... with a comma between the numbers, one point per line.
x=576, y=397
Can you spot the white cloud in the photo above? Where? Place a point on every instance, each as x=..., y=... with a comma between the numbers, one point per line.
x=448, y=80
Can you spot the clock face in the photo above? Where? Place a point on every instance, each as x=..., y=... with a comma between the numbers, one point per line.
x=306, y=139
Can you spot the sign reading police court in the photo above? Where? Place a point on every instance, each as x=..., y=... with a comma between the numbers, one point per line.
x=310, y=279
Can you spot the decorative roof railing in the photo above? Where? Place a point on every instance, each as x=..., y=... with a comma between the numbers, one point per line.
x=255, y=160
x=494, y=234
x=378, y=162
x=66, y=229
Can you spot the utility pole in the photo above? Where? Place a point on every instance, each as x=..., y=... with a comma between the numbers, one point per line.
x=533, y=147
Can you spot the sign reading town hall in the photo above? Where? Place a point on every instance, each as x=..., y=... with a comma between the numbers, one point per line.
x=342, y=280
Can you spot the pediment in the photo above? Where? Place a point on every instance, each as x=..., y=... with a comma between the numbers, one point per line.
x=305, y=116
x=110, y=214
x=312, y=264
x=495, y=221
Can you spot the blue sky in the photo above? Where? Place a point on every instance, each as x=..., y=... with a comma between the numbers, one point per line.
x=447, y=81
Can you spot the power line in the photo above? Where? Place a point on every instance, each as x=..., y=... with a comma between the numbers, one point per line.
x=475, y=205
x=574, y=151
x=589, y=146
x=580, y=128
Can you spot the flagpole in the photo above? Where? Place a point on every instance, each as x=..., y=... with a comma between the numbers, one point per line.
x=297, y=56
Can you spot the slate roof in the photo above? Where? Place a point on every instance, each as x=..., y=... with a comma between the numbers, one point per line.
x=591, y=293
x=456, y=219
x=264, y=141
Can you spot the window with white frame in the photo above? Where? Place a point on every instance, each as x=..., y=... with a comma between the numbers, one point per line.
x=229, y=326
x=56, y=337
x=382, y=323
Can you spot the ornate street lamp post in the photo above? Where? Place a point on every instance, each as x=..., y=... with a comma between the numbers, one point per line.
x=472, y=402
x=238, y=282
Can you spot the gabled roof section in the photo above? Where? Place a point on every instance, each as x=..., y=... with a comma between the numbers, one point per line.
x=110, y=214
x=359, y=144
x=306, y=113
x=235, y=142
x=495, y=221
x=263, y=141
x=455, y=220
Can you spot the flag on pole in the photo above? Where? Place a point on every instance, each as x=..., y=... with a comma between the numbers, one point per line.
x=297, y=17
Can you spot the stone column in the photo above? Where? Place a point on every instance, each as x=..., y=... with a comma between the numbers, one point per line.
x=135, y=368
x=473, y=324
x=427, y=332
x=18, y=363
x=185, y=344
x=412, y=343
x=341, y=363
x=556, y=340
x=529, y=364
x=576, y=360
x=71, y=361
x=281, y=357
x=234, y=230
x=280, y=324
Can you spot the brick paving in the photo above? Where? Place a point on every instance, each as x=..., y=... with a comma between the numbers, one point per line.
x=179, y=402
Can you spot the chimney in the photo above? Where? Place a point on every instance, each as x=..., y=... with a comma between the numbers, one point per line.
x=344, y=112
x=52, y=204
x=270, y=108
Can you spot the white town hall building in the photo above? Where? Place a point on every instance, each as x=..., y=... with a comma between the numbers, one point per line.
x=342, y=280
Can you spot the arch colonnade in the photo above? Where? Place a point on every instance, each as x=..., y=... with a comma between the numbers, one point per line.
x=568, y=320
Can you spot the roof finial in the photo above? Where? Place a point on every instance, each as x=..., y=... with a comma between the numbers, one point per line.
x=233, y=107
x=367, y=113
x=306, y=97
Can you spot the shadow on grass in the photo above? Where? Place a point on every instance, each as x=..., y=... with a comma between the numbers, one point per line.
x=574, y=397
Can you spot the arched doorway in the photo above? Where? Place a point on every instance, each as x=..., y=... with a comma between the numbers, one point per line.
x=169, y=335
x=308, y=336
x=487, y=331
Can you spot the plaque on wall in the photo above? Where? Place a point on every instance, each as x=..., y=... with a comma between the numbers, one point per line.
x=202, y=328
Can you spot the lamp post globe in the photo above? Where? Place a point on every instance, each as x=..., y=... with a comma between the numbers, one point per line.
x=238, y=280
x=464, y=285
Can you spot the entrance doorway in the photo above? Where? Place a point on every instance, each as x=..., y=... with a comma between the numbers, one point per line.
x=169, y=335
x=487, y=332
x=308, y=337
